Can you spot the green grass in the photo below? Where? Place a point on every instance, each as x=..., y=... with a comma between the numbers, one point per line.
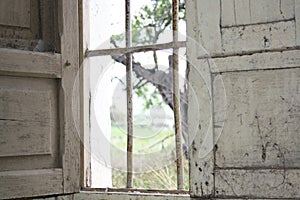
x=147, y=141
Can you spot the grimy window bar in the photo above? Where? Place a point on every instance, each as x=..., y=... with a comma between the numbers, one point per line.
x=128, y=51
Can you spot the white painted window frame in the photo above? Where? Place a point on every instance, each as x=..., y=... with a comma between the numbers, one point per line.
x=86, y=191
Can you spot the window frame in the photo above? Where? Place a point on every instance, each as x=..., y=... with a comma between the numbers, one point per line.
x=85, y=153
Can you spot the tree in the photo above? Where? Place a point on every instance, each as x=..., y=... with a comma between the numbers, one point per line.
x=147, y=26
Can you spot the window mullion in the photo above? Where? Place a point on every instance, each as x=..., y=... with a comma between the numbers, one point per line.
x=129, y=96
x=176, y=97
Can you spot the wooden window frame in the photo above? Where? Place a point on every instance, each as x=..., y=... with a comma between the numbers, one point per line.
x=85, y=153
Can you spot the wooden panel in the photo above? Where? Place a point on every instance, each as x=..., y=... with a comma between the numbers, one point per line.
x=26, y=63
x=261, y=128
x=10, y=35
x=258, y=183
x=69, y=110
x=15, y=13
x=270, y=60
x=28, y=116
x=246, y=12
x=16, y=184
x=259, y=37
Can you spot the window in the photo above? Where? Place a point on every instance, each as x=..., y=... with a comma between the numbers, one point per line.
x=151, y=33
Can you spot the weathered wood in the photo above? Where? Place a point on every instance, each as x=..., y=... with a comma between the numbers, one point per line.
x=271, y=10
x=69, y=111
x=28, y=116
x=261, y=127
x=259, y=37
x=30, y=183
x=85, y=149
x=200, y=129
x=206, y=25
x=257, y=61
x=297, y=19
x=201, y=156
x=228, y=16
x=258, y=183
x=128, y=196
x=26, y=63
x=17, y=13
x=242, y=11
x=13, y=32
x=246, y=12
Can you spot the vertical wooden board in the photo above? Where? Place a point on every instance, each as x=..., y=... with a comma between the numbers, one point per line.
x=70, y=72
x=228, y=16
x=242, y=11
x=297, y=21
x=259, y=37
x=200, y=128
x=261, y=127
x=15, y=13
x=85, y=149
x=269, y=183
x=208, y=25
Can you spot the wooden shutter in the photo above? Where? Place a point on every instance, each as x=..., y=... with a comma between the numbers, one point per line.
x=39, y=142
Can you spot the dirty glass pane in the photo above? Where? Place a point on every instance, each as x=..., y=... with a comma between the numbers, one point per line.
x=107, y=24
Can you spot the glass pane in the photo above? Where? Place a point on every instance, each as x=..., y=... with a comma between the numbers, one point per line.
x=182, y=21
x=107, y=24
x=151, y=22
x=154, y=141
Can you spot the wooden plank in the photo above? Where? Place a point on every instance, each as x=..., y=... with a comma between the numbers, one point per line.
x=297, y=19
x=200, y=128
x=85, y=148
x=267, y=183
x=15, y=13
x=69, y=112
x=30, y=183
x=205, y=25
x=261, y=127
x=201, y=157
x=259, y=37
x=13, y=163
x=257, y=61
x=30, y=63
x=128, y=196
x=228, y=16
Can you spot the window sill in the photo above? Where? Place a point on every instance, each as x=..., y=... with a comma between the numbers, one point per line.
x=135, y=194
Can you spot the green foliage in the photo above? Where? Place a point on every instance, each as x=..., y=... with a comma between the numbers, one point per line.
x=150, y=96
x=163, y=178
x=151, y=21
